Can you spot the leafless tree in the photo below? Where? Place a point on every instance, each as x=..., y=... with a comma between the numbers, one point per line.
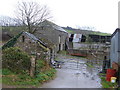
x=30, y=14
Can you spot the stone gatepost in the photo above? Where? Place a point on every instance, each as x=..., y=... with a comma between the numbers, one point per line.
x=32, y=67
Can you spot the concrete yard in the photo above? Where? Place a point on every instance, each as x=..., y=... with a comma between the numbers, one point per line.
x=74, y=73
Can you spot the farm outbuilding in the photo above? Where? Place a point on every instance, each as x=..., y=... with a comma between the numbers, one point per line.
x=115, y=51
x=37, y=49
x=52, y=33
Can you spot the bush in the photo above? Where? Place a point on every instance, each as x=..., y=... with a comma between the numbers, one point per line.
x=40, y=63
x=6, y=72
x=106, y=84
x=16, y=60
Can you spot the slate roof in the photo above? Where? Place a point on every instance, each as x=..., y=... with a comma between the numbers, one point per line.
x=34, y=38
x=31, y=36
x=47, y=42
x=13, y=40
x=47, y=23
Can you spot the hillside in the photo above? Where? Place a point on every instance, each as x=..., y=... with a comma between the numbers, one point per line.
x=85, y=32
x=14, y=30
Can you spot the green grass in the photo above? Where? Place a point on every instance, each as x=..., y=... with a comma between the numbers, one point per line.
x=0, y=27
x=100, y=33
x=102, y=74
x=106, y=84
x=24, y=80
x=0, y=75
x=89, y=65
x=69, y=31
x=46, y=76
x=90, y=32
x=14, y=30
x=6, y=72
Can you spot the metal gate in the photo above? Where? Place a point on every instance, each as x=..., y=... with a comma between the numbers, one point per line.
x=74, y=64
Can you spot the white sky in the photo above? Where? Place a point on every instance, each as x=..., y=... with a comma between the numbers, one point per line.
x=101, y=14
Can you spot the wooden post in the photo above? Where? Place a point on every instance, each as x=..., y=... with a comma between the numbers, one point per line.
x=32, y=68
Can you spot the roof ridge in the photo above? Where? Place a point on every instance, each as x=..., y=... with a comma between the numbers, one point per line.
x=57, y=27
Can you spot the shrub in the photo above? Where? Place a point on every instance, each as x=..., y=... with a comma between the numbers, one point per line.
x=16, y=60
x=40, y=63
x=6, y=72
x=106, y=84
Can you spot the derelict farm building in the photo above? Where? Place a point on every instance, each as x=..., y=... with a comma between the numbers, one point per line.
x=52, y=33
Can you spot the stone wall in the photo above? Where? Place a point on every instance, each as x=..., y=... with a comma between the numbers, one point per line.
x=55, y=36
x=88, y=46
x=31, y=47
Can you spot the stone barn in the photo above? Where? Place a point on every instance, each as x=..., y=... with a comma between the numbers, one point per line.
x=36, y=48
x=52, y=33
x=33, y=46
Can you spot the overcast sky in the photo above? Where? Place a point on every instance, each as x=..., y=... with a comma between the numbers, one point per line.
x=101, y=14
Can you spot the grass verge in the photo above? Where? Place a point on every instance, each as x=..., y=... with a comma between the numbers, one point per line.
x=106, y=84
x=89, y=65
x=25, y=81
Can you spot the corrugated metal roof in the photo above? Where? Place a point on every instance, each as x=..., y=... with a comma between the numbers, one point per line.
x=77, y=37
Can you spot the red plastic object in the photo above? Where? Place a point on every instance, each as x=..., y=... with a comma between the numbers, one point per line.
x=110, y=73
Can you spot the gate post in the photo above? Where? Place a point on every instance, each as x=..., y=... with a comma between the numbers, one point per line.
x=32, y=67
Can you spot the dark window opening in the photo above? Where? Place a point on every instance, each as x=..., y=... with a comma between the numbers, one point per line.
x=23, y=38
x=42, y=27
x=94, y=38
x=83, y=38
x=59, y=47
x=72, y=35
x=71, y=38
x=63, y=46
x=51, y=53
